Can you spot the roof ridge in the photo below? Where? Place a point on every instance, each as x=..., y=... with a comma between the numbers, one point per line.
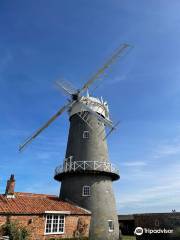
x=29, y=194
x=30, y=203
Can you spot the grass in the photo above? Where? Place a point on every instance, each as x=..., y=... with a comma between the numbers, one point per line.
x=129, y=238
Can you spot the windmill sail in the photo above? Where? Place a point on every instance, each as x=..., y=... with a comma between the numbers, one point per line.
x=59, y=112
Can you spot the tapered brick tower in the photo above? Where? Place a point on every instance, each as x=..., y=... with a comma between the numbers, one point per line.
x=87, y=174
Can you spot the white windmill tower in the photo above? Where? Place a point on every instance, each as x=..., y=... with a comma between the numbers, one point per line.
x=87, y=173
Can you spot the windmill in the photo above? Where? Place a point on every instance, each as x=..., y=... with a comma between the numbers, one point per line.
x=86, y=174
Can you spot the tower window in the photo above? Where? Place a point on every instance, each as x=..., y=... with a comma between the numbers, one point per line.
x=86, y=134
x=111, y=225
x=86, y=191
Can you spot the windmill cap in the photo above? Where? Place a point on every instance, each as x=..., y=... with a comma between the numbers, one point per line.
x=93, y=103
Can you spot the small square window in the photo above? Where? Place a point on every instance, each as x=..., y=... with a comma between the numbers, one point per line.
x=86, y=134
x=86, y=191
x=111, y=225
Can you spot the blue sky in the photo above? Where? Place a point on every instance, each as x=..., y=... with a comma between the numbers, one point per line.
x=41, y=41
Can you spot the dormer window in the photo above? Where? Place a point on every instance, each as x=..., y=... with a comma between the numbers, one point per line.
x=86, y=134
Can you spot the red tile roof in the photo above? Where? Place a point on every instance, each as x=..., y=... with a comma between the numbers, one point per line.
x=29, y=203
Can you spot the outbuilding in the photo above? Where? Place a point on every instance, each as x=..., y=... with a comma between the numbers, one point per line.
x=44, y=216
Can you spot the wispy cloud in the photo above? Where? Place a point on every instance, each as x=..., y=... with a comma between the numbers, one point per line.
x=165, y=150
x=161, y=195
x=135, y=169
x=44, y=155
x=116, y=80
x=140, y=173
x=161, y=190
x=135, y=164
x=45, y=187
x=10, y=132
x=52, y=144
x=109, y=81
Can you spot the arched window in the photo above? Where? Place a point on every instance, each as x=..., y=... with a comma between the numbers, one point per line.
x=86, y=134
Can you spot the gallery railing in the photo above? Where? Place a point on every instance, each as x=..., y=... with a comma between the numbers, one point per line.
x=73, y=166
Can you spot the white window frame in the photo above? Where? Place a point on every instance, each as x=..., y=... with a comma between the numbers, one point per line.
x=111, y=229
x=85, y=134
x=57, y=232
x=84, y=189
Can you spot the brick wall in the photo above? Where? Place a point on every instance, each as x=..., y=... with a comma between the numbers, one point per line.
x=36, y=225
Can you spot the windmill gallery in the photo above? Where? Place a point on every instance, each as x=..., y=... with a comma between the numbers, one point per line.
x=86, y=204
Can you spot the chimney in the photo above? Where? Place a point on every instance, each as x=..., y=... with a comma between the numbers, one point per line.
x=10, y=187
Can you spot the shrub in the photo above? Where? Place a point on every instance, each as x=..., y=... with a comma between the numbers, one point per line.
x=15, y=231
